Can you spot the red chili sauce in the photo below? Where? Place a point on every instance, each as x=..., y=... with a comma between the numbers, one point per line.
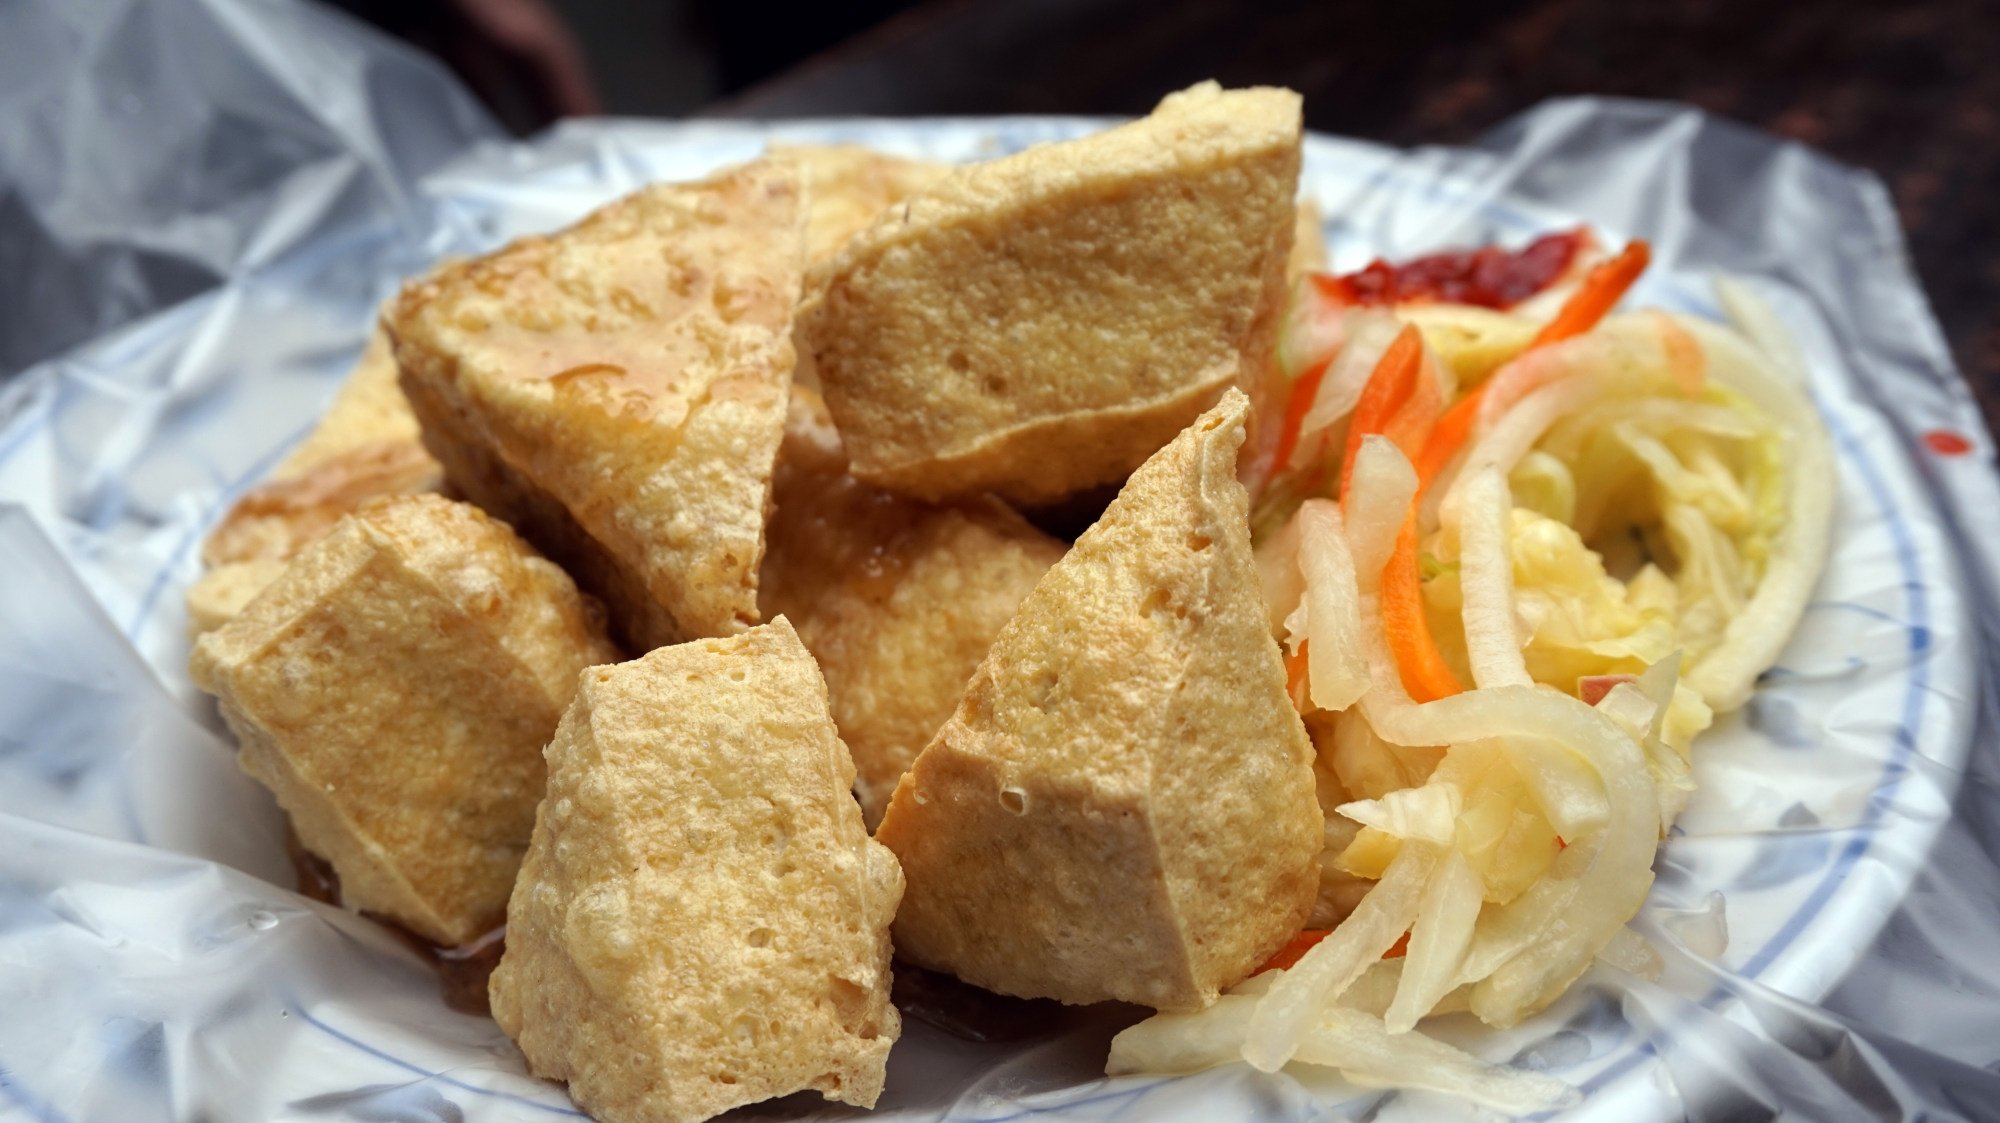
x=462, y=971
x=1490, y=277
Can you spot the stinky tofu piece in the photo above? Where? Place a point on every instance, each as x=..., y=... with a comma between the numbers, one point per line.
x=617, y=391
x=847, y=185
x=897, y=599
x=702, y=920
x=1122, y=806
x=366, y=446
x=1043, y=323
x=394, y=688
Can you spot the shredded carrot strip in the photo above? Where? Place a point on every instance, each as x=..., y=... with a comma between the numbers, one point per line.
x=1411, y=426
x=1452, y=431
x=1295, y=677
x=1288, y=956
x=1600, y=292
x=1402, y=401
x=1305, y=389
x=1424, y=672
x=1391, y=385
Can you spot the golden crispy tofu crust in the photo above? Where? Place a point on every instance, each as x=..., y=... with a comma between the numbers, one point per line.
x=1042, y=323
x=219, y=594
x=1122, y=806
x=366, y=446
x=702, y=920
x=897, y=599
x=847, y=185
x=394, y=687
x=617, y=391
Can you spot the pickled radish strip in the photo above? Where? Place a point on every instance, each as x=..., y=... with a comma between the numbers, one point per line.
x=1294, y=1003
x=1336, y=669
x=1486, y=582
x=1353, y=1041
x=1383, y=486
x=1439, y=939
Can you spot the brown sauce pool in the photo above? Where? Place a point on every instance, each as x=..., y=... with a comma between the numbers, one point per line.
x=462, y=971
x=936, y=999
x=968, y=1012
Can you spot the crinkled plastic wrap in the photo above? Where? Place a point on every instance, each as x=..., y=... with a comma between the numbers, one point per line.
x=202, y=202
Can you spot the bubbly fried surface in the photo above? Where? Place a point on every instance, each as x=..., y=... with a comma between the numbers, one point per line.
x=897, y=599
x=1122, y=806
x=365, y=446
x=617, y=390
x=1042, y=323
x=702, y=920
x=394, y=687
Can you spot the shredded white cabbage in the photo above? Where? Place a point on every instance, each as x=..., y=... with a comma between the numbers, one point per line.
x=1630, y=532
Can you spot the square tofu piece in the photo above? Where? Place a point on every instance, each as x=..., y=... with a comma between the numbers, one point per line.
x=702, y=921
x=1042, y=323
x=1122, y=806
x=365, y=447
x=616, y=391
x=394, y=688
x=897, y=599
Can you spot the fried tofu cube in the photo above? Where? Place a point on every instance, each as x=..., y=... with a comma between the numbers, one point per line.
x=617, y=390
x=702, y=921
x=394, y=688
x=847, y=185
x=365, y=447
x=1122, y=806
x=897, y=599
x=1042, y=323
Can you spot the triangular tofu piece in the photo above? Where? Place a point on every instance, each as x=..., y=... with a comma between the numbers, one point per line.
x=1042, y=323
x=394, y=687
x=897, y=599
x=702, y=920
x=617, y=391
x=1122, y=807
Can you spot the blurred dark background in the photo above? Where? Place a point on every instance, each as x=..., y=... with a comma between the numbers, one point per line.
x=1910, y=90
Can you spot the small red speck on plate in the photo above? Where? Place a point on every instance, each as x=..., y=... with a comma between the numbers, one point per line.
x=1945, y=442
